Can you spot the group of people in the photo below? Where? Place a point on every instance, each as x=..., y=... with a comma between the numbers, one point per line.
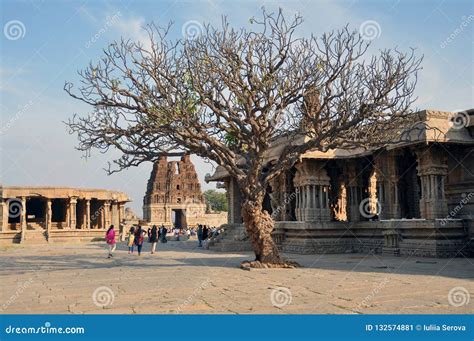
x=204, y=233
x=136, y=236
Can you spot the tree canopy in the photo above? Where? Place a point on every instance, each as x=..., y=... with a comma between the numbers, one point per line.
x=217, y=201
x=230, y=93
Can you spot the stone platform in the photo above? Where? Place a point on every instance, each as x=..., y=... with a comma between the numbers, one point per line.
x=408, y=237
x=181, y=278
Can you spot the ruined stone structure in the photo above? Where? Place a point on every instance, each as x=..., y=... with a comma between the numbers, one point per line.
x=415, y=197
x=48, y=214
x=174, y=196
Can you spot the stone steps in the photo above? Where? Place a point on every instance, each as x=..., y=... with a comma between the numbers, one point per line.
x=35, y=237
x=232, y=239
x=231, y=246
x=34, y=226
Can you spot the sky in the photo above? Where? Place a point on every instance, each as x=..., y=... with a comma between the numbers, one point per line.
x=45, y=43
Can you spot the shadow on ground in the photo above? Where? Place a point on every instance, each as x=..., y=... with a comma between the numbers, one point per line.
x=56, y=257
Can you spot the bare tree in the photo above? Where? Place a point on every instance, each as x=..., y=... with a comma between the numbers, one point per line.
x=230, y=93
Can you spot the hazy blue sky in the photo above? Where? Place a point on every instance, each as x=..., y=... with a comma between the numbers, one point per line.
x=44, y=43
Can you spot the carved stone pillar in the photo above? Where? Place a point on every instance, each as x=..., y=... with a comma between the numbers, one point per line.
x=113, y=214
x=354, y=190
x=301, y=203
x=49, y=217
x=101, y=216
x=238, y=203
x=119, y=213
x=305, y=207
x=23, y=218
x=312, y=179
x=122, y=211
x=3, y=214
x=340, y=210
x=106, y=211
x=297, y=203
x=68, y=215
x=386, y=172
x=309, y=211
x=72, y=212
x=325, y=208
x=432, y=169
x=119, y=219
x=87, y=218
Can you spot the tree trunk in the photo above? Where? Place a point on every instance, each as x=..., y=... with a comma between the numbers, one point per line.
x=259, y=225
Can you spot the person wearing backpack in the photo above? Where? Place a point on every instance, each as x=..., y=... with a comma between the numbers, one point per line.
x=110, y=240
x=139, y=239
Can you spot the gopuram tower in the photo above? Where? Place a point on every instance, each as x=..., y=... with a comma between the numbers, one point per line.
x=173, y=194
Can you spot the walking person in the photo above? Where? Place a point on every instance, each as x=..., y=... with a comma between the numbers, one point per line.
x=199, y=234
x=139, y=239
x=110, y=240
x=165, y=231
x=176, y=233
x=131, y=239
x=153, y=238
x=205, y=235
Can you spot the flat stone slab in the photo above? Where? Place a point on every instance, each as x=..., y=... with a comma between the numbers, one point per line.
x=182, y=278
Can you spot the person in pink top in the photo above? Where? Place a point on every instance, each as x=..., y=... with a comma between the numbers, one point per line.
x=110, y=240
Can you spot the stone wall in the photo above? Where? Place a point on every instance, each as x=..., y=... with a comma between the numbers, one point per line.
x=234, y=201
x=210, y=219
x=10, y=237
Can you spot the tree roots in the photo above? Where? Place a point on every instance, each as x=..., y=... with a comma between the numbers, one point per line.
x=247, y=265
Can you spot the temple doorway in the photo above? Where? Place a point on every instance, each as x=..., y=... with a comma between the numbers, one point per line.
x=96, y=214
x=59, y=209
x=36, y=212
x=178, y=218
x=80, y=214
x=408, y=186
x=14, y=211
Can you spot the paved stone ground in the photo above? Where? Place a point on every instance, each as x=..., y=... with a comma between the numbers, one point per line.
x=182, y=278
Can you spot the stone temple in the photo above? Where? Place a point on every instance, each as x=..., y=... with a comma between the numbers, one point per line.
x=58, y=214
x=174, y=196
x=415, y=197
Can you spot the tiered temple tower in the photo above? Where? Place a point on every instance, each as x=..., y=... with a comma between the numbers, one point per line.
x=173, y=193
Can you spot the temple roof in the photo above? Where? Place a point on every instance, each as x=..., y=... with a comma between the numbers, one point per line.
x=53, y=192
x=432, y=126
x=171, y=181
